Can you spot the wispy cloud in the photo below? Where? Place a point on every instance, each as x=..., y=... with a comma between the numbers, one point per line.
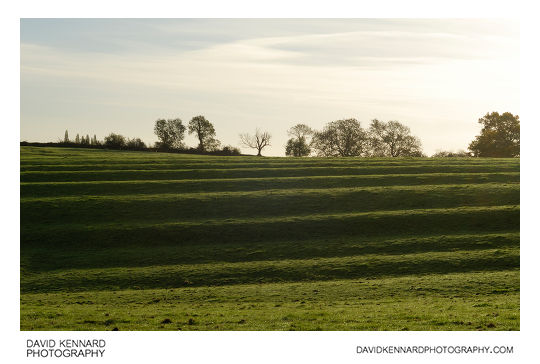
x=271, y=73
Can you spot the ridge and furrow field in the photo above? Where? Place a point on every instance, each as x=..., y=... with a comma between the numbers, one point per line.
x=346, y=162
x=296, y=243
x=120, y=175
x=366, y=224
x=56, y=189
x=286, y=270
x=290, y=202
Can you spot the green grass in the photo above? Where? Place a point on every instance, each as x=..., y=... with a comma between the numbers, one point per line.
x=129, y=239
x=464, y=301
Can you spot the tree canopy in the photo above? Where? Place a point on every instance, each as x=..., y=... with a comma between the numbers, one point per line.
x=392, y=139
x=136, y=144
x=205, y=133
x=340, y=138
x=170, y=133
x=115, y=141
x=298, y=145
x=300, y=130
x=499, y=136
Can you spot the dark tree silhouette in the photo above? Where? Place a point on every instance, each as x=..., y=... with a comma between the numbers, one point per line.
x=205, y=133
x=135, y=144
x=115, y=141
x=170, y=133
x=298, y=145
x=392, y=139
x=340, y=138
x=258, y=141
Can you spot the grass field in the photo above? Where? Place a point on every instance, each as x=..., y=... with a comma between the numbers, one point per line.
x=157, y=241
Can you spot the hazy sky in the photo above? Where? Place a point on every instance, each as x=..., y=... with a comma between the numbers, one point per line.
x=96, y=76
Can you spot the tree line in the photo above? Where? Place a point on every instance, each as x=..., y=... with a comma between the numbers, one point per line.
x=340, y=138
x=499, y=137
x=346, y=138
x=170, y=132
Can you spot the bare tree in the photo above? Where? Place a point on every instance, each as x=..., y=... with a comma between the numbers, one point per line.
x=257, y=141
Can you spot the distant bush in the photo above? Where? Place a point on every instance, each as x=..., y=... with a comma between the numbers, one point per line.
x=226, y=150
x=60, y=144
x=230, y=150
x=449, y=154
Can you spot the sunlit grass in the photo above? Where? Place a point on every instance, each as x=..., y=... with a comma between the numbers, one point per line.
x=158, y=241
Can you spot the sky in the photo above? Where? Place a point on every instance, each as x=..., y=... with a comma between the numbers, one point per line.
x=97, y=76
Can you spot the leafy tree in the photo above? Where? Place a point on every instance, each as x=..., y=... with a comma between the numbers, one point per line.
x=66, y=137
x=115, y=141
x=170, y=133
x=258, y=141
x=205, y=133
x=298, y=145
x=340, y=138
x=85, y=141
x=135, y=143
x=95, y=141
x=300, y=130
x=77, y=139
x=393, y=139
x=499, y=136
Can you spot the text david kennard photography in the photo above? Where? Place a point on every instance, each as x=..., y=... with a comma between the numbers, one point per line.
x=66, y=348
